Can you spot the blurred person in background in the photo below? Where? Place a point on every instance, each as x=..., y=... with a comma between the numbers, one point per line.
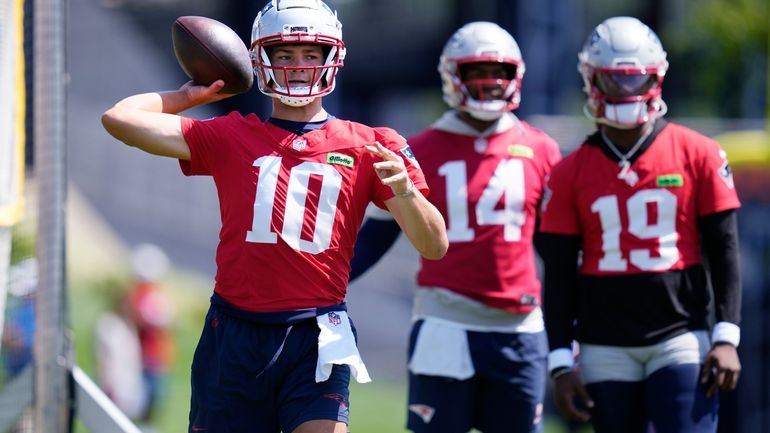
x=19, y=327
x=629, y=217
x=134, y=344
x=278, y=349
x=119, y=358
x=152, y=313
x=477, y=349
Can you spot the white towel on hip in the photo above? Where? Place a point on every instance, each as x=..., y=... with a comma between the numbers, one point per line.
x=337, y=345
x=442, y=350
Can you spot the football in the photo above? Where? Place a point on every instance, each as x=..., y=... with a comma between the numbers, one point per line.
x=208, y=50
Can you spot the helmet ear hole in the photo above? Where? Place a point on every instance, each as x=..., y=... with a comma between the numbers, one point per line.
x=327, y=49
x=326, y=80
x=510, y=71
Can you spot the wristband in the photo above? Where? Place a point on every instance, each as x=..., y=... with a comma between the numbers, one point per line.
x=561, y=357
x=409, y=191
x=559, y=372
x=726, y=332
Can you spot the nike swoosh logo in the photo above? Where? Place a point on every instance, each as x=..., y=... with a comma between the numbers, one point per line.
x=199, y=428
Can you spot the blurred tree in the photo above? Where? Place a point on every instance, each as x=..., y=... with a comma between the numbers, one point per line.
x=721, y=50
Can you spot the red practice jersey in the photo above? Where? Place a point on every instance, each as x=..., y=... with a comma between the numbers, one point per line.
x=488, y=190
x=291, y=205
x=647, y=221
x=641, y=278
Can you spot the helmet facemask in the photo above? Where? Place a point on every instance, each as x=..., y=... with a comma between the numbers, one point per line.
x=623, y=65
x=296, y=22
x=624, y=97
x=269, y=76
x=484, y=96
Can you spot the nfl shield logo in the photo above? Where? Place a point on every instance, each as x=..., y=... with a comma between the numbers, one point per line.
x=407, y=152
x=299, y=144
x=334, y=318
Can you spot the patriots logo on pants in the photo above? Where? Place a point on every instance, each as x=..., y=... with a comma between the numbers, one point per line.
x=334, y=318
x=423, y=411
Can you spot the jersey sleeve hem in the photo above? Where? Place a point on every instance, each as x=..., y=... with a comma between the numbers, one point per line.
x=722, y=207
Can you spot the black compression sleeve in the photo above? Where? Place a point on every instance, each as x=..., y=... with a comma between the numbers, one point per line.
x=720, y=244
x=560, y=258
x=374, y=239
x=536, y=236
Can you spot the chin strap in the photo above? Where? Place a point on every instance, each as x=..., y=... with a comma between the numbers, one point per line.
x=484, y=116
x=294, y=101
x=660, y=110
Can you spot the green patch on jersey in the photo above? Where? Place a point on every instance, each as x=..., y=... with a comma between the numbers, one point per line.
x=669, y=180
x=338, y=158
x=521, y=150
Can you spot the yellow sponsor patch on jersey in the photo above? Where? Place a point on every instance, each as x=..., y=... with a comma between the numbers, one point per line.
x=669, y=180
x=340, y=159
x=521, y=150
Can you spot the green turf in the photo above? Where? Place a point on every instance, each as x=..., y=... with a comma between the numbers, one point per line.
x=378, y=407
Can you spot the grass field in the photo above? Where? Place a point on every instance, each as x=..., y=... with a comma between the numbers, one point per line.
x=377, y=407
x=97, y=270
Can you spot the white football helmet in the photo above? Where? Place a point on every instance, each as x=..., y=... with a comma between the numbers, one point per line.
x=149, y=262
x=481, y=42
x=623, y=64
x=283, y=22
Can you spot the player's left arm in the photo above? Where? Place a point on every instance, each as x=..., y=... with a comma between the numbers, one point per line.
x=375, y=238
x=722, y=367
x=551, y=157
x=420, y=221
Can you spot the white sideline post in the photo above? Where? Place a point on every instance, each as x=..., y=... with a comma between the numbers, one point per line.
x=96, y=410
x=15, y=397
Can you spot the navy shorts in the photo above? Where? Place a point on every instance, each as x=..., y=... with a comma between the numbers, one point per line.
x=250, y=377
x=505, y=394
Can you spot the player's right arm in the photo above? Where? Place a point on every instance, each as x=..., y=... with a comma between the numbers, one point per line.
x=560, y=257
x=560, y=243
x=149, y=121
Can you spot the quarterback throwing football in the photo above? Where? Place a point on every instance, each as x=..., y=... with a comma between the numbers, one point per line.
x=277, y=349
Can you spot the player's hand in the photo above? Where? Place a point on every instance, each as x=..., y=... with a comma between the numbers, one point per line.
x=199, y=95
x=721, y=369
x=391, y=170
x=569, y=390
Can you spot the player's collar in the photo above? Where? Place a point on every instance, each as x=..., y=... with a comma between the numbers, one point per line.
x=595, y=139
x=299, y=128
x=451, y=122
